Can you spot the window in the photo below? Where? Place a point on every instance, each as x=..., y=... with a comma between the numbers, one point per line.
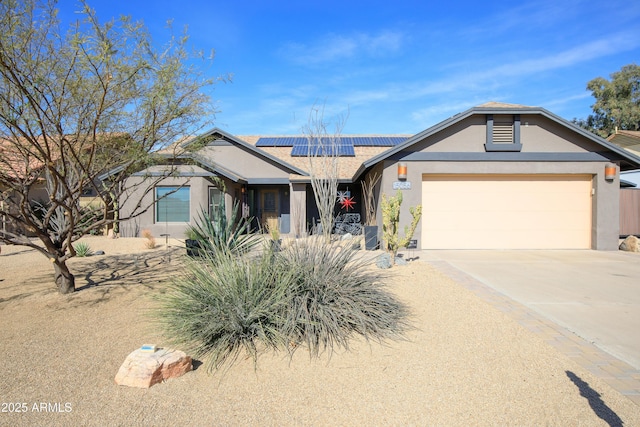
x=215, y=200
x=172, y=204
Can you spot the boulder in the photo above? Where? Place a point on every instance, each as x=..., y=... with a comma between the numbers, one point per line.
x=630, y=244
x=401, y=261
x=383, y=261
x=143, y=369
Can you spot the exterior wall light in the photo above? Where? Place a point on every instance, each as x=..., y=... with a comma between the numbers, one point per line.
x=402, y=171
x=610, y=171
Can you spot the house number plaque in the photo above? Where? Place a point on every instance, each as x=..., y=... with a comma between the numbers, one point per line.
x=402, y=185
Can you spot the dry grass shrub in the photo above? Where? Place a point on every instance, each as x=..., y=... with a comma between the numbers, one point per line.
x=311, y=294
x=150, y=241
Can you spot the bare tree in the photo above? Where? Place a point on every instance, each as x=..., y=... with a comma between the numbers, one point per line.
x=324, y=147
x=369, y=197
x=76, y=103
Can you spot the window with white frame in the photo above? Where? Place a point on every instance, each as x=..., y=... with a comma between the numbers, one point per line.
x=215, y=200
x=172, y=204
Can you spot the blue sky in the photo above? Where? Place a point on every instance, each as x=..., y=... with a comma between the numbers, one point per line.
x=393, y=66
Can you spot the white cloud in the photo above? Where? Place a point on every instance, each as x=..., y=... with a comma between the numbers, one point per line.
x=335, y=47
x=492, y=79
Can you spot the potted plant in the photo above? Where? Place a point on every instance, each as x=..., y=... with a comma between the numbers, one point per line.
x=370, y=223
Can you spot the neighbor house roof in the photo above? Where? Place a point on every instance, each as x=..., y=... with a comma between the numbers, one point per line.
x=17, y=163
x=627, y=139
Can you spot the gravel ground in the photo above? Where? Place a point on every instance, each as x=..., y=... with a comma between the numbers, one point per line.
x=464, y=364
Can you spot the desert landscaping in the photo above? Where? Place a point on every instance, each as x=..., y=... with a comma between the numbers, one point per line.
x=463, y=363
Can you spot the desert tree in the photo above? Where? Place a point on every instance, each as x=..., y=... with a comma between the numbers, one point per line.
x=79, y=102
x=324, y=145
x=617, y=103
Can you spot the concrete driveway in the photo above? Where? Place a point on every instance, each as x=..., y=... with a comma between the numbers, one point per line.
x=594, y=294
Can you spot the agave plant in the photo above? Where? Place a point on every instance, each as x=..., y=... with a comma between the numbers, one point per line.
x=216, y=232
x=82, y=249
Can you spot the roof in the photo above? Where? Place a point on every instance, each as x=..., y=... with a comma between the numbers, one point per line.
x=628, y=159
x=627, y=139
x=285, y=163
x=18, y=164
x=362, y=153
x=348, y=165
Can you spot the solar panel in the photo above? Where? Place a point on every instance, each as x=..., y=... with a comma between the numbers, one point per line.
x=377, y=141
x=343, y=145
x=354, y=141
x=299, y=150
x=276, y=142
x=316, y=150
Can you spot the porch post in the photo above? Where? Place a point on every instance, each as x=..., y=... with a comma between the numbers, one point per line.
x=298, y=204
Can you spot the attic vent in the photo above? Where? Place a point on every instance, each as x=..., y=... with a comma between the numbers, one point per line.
x=503, y=133
x=503, y=130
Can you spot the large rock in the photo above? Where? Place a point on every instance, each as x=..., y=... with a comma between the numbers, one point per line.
x=143, y=369
x=630, y=244
x=384, y=261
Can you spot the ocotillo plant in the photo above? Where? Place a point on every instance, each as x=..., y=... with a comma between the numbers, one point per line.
x=390, y=220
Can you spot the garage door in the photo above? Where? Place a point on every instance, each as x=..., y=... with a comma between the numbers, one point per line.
x=506, y=212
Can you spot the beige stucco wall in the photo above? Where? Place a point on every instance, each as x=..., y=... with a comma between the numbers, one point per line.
x=537, y=133
x=243, y=162
x=142, y=188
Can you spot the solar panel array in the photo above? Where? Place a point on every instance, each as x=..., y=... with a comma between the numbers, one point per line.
x=317, y=150
x=277, y=141
x=345, y=146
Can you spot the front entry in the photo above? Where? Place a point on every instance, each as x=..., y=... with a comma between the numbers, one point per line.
x=269, y=213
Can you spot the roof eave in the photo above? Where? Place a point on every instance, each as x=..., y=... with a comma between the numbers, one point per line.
x=250, y=147
x=634, y=161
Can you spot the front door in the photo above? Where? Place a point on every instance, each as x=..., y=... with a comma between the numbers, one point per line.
x=270, y=212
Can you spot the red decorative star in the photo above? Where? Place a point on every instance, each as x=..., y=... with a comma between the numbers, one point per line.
x=348, y=203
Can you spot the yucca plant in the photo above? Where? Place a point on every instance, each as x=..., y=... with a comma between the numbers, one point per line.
x=215, y=232
x=335, y=295
x=312, y=294
x=82, y=249
x=225, y=305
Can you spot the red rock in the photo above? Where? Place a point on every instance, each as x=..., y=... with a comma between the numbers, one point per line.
x=143, y=369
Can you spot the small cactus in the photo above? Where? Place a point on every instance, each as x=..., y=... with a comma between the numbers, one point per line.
x=390, y=220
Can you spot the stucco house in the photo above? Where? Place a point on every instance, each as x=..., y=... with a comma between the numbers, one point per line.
x=630, y=183
x=497, y=176
x=630, y=141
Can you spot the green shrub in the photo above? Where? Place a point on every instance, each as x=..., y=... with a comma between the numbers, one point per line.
x=311, y=294
x=82, y=249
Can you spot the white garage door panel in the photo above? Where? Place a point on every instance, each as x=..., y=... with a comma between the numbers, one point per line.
x=506, y=212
